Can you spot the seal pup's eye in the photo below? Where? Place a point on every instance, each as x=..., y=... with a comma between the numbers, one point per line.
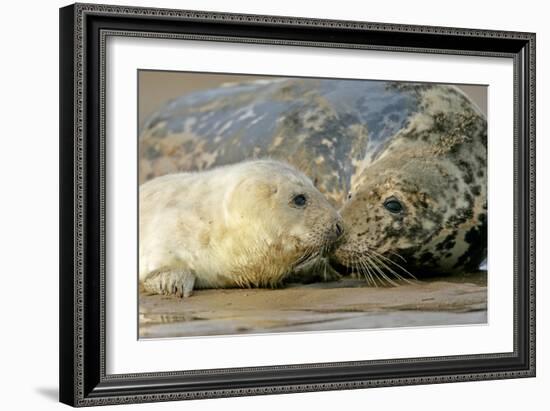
x=299, y=200
x=349, y=196
x=393, y=205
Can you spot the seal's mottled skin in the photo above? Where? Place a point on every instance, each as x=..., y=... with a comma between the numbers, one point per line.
x=361, y=143
x=319, y=126
x=435, y=167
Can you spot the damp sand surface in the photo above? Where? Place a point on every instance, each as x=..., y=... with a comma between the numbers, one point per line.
x=347, y=304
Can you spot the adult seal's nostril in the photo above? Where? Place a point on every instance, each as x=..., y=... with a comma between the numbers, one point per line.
x=339, y=229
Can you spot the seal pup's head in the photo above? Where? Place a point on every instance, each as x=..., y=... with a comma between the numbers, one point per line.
x=420, y=207
x=279, y=222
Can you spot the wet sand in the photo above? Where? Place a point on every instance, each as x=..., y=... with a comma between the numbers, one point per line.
x=338, y=305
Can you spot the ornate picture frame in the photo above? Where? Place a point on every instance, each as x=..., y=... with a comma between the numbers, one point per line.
x=84, y=30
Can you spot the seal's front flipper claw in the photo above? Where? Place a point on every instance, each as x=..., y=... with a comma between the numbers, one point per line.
x=175, y=282
x=185, y=286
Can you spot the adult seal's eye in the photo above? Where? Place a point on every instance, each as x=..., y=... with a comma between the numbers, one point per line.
x=393, y=206
x=299, y=200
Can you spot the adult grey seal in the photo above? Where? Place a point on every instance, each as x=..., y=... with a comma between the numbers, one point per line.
x=406, y=162
x=244, y=225
x=420, y=203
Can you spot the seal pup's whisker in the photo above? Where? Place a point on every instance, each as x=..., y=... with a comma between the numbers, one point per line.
x=305, y=258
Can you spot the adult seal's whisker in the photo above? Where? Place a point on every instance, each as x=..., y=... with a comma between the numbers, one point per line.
x=389, y=260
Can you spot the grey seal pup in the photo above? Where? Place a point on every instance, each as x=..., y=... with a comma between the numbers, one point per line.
x=244, y=225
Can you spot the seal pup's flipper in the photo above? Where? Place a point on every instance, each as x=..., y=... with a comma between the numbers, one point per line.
x=178, y=282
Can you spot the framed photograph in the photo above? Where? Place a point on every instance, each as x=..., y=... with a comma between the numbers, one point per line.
x=261, y=204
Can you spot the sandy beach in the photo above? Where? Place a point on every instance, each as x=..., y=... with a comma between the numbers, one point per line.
x=338, y=305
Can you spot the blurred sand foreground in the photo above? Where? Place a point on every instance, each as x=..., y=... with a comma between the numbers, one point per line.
x=341, y=305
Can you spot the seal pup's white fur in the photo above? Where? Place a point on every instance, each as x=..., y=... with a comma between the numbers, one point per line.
x=240, y=225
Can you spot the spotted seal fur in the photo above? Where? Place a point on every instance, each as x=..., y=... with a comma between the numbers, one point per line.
x=420, y=203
